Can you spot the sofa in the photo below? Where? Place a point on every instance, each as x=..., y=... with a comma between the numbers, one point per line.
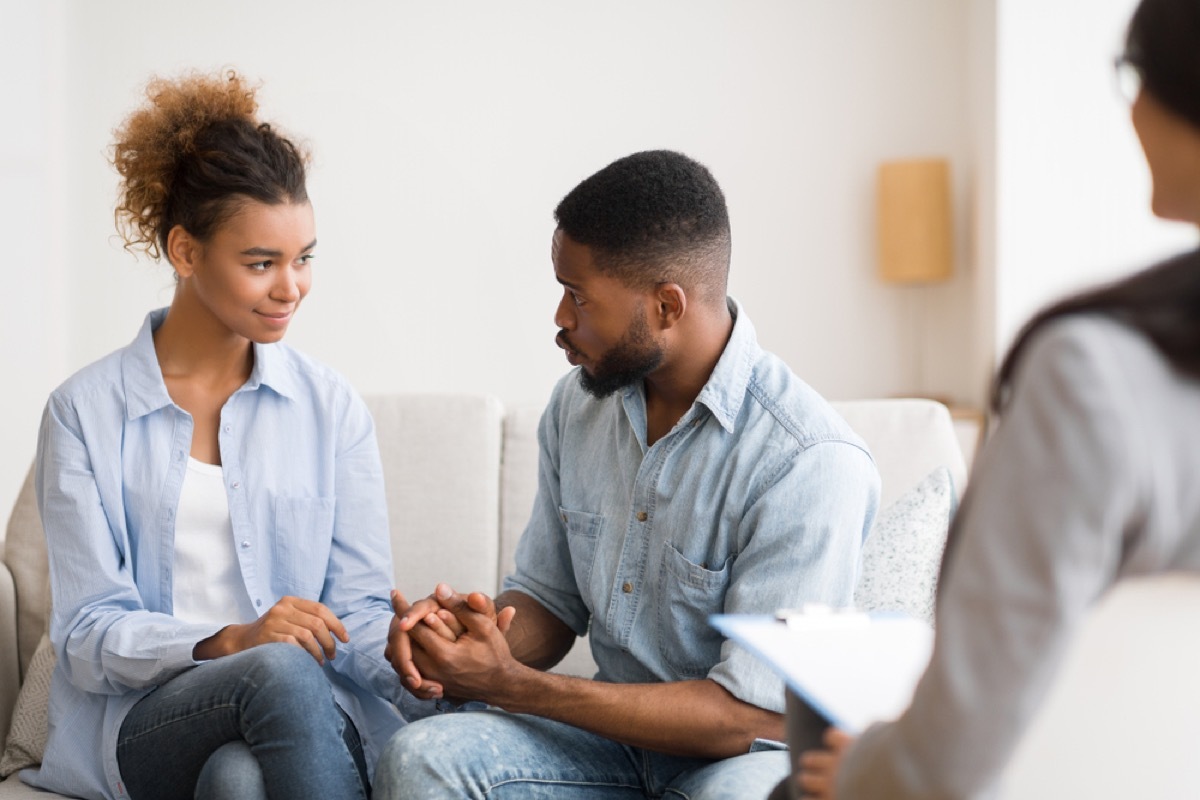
x=460, y=472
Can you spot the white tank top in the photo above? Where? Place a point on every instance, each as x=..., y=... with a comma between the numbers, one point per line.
x=208, y=585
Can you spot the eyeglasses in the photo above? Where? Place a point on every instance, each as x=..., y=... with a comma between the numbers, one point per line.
x=1128, y=79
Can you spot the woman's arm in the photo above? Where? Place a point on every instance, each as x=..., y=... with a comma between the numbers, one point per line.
x=107, y=641
x=358, y=581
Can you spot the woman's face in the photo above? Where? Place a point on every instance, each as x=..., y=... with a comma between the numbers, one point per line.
x=1172, y=148
x=254, y=271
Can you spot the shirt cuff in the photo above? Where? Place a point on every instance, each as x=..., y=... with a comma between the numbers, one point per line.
x=747, y=678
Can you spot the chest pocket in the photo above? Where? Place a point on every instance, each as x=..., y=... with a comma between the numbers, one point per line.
x=303, y=536
x=583, y=534
x=691, y=592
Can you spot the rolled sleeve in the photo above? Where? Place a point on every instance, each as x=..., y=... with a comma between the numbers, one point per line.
x=544, y=566
x=805, y=535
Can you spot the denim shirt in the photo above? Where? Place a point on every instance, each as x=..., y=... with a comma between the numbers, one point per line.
x=306, y=500
x=759, y=498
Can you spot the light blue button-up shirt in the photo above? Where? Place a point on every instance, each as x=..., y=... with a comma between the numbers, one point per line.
x=309, y=517
x=759, y=498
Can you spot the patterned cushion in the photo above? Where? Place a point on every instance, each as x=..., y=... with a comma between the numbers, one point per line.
x=27, y=734
x=903, y=555
x=25, y=553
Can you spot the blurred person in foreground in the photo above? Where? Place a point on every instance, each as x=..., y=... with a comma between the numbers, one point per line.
x=1091, y=477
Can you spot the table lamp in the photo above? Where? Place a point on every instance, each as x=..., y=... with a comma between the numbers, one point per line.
x=915, y=242
x=915, y=229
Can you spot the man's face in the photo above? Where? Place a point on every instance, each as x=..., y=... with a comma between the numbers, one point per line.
x=604, y=327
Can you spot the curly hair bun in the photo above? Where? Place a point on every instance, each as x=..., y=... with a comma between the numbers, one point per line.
x=185, y=151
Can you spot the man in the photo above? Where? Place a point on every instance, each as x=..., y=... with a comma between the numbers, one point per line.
x=683, y=472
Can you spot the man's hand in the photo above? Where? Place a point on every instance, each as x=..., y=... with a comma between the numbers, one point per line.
x=454, y=607
x=818, y=768
x=436, y=614
x=293, y=620
x=470, y=664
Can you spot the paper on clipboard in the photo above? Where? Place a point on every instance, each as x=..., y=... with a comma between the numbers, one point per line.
x=854, y=670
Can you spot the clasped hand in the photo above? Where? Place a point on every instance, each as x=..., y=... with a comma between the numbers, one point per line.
x=448, y=645
x=293, y=620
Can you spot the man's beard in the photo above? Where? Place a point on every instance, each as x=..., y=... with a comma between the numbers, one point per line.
x=627, y=362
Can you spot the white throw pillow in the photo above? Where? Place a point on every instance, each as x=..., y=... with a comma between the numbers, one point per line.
x=27, y=733
x=903, y=555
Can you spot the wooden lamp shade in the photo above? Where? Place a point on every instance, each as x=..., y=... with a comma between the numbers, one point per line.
x=915, y=239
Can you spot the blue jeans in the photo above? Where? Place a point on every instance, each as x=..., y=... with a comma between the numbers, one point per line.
x=495, y=755
x=261, y=720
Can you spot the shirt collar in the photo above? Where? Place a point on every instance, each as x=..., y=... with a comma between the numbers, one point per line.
x=272, y=370
x=725, y=391
x=146, y=392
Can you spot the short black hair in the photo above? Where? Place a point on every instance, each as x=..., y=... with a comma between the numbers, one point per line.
x=652, y=217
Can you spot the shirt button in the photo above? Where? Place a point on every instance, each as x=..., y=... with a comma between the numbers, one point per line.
x=245, y=545
x=228, y=428
x=626, y=587
x=235, y=485
x=258, y=603
x=642, y=516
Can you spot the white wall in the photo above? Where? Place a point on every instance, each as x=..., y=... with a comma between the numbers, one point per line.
x=445, y=134
x=977, y=318
x=33, y=291
x=1072, y=193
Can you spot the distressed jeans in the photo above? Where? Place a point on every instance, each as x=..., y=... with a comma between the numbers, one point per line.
x=500, y=756
x=260, y=723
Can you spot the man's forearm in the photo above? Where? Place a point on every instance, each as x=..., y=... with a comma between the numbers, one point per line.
x=688, y=718
x=536, y=637
x=502, y=666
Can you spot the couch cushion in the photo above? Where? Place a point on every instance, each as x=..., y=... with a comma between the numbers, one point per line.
x=25, y=554
x=441, y=466
x=27, y=734
x=903, y=555
x=908, y=439
x=518, y=479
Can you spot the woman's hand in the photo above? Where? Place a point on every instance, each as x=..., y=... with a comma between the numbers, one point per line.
x=818, y=768
x=293, y=620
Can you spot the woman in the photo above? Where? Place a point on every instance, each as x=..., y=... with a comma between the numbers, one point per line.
x=1100, y=441
x=213, y=500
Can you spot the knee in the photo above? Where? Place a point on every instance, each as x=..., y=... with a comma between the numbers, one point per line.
x=283, y=671
x=281, y=661
x=427, y=753
x=231, y=773
x=755, y=774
